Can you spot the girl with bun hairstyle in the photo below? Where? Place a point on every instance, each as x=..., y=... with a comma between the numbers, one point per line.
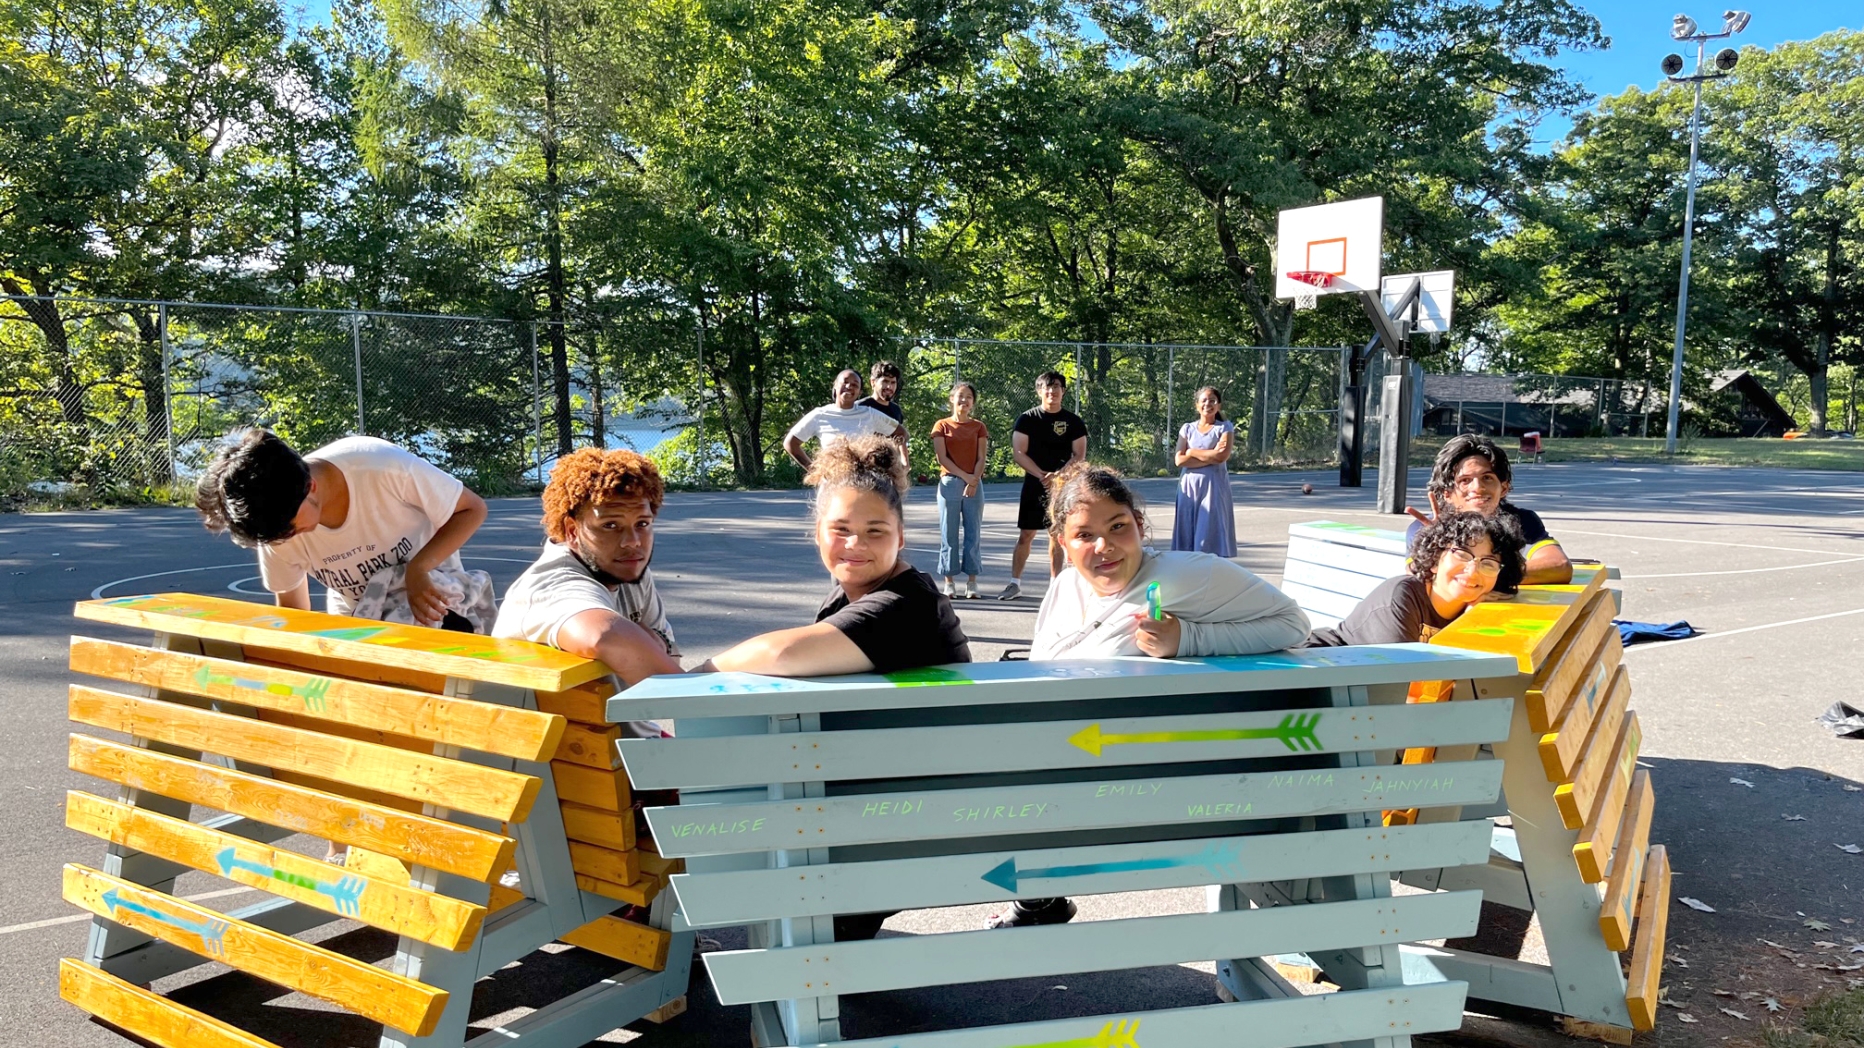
x=882, y=614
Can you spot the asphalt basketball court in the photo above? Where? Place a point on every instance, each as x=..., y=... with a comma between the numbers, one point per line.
x=1769, y=562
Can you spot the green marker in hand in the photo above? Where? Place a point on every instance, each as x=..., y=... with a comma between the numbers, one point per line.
x=1155, y=608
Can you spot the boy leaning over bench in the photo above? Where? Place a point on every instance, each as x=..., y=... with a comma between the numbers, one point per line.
x=592, y=593
x=1471, y=475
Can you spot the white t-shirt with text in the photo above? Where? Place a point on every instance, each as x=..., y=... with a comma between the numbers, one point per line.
x=397, y=500
x=831, y=425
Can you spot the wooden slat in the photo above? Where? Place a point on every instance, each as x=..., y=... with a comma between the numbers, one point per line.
x=653, y=865
x=374, y=993
x=495, y=660
x=1593, y=850
x=595, y=787
x=1344, y=1017
x=376, y=867
x=1561, y=747
x=146, y=1015
x=1370, y=563
x=416, y=776
x=1323, y=601
x=736, y=897
x=617, y=867
x=1557, y=682
x=583, y=704
x=331, y=666
x=484, y=726
x=590, y=747
x=748, y=976
x=1359, y=536
x=1653, y=917
x=1052, y=807
x=1618, y=908
x=594, y=826
x=429, y=917
x=1575, y=799
x=640, y=893
x=735, y=760
x=412, y=838
x=626, y=941
x=689, y=696
x=1527, y=628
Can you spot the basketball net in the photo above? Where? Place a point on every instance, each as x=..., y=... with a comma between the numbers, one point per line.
x=1316, y=278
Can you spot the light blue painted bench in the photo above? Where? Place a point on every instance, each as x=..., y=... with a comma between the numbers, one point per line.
x=1332, y=566
x=1259, y=777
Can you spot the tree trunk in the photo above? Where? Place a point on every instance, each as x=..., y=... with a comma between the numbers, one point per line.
x=598, y=406
x=1828, y=323
x=554, y=278
x=154, y=380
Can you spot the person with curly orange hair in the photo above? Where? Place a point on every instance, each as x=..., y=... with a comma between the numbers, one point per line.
x=591, y=593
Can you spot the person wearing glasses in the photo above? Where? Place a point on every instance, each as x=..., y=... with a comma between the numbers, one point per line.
x=1457, y=561
x=1471, y=475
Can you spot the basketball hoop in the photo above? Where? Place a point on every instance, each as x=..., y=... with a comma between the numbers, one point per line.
x=1316, y=278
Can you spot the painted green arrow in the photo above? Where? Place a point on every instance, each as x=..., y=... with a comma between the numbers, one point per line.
x=313, y=693
x=1121, y=1033
x=1296, y=731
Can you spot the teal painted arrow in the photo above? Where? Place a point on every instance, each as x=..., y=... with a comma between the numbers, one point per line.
x=212, y=932
x=1217, y=858
x=346, y=892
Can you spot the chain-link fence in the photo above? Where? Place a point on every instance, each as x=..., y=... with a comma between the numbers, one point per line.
x=117, y=397
x=1134, y=396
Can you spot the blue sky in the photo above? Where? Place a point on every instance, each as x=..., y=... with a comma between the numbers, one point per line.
x=1639, y=31
x=1640, y=35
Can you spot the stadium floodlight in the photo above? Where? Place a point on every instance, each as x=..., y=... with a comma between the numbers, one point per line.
x=1682, y=27
x=1726, y=58
x=1734, y=21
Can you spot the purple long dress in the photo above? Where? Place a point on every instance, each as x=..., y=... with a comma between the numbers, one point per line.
x=1206, y=518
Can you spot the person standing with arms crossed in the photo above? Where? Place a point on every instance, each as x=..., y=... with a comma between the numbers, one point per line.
x=840, y=419
x=1046, y=439
x=1206, y=518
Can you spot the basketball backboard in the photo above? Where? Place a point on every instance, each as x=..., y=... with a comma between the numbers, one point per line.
x=1329, y=248
x=1435, y=297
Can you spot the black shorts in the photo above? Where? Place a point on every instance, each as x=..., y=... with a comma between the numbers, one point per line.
x=1032, y=509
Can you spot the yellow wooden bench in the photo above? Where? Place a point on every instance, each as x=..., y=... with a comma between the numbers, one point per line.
x=445, y=762
x=1578, y=853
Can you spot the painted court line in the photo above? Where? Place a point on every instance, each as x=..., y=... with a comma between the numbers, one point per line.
x=1700, y=542
x=1746, y=571
x=1745, y=629
x=76, y=917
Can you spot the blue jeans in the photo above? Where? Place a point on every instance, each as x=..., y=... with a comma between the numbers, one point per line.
x=959, y=515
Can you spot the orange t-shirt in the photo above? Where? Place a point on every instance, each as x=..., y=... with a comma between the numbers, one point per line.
x=961, y=439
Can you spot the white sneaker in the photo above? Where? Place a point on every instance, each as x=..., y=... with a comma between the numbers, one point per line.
x=1012, y=591
x=949, y=590
x=970, y=590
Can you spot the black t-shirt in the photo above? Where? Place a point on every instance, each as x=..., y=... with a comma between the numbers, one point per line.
x=1532, y=528
x=905, y=624
x=1397, y=612
x=892, y=411
x=1051, y=436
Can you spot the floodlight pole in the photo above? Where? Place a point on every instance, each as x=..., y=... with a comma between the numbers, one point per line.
x=1689, y=221
x=1682, y=289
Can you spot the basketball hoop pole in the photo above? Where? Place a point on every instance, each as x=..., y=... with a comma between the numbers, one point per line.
x=1392, y=330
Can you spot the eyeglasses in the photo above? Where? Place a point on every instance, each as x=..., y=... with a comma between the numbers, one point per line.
x=1462, y=558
